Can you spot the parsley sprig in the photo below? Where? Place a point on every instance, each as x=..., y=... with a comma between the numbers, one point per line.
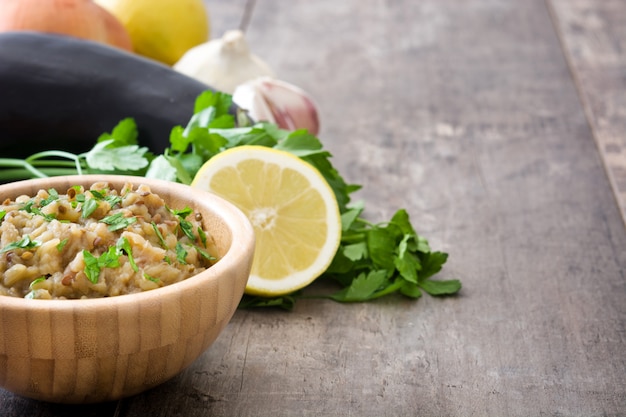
x=373, y=260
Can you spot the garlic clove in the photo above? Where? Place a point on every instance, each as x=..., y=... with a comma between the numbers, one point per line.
x=276, y=101
x=223, y=63
x=249, y=97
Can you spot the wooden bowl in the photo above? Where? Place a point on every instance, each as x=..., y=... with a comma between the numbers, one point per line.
x=85, y=351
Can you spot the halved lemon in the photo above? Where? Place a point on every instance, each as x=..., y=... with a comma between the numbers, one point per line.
x=292, y=208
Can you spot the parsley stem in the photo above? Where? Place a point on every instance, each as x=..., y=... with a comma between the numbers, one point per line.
x=14, y=174
x=38, y=166
x=59, y=154
x=366, y=222
x=18, y=163
x=353, y=238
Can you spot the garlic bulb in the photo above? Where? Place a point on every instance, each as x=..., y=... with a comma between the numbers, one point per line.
x=271, y=100
x=223, y=63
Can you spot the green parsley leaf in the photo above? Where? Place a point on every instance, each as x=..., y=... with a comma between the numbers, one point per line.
x=94, y=265
x=302, y=143
x=222, y=102
x=447, y=287
x=89, y=206
x=187, y=229
x=410, y=290
x=381, y=244
x=182, y=213
x=62, y=244
x=355, y=251
x=181, y=253
x=202, y=235
x=153, y=279
x=98, y=194
x=159, y=235
x=113, y=200
x=124, y=158
x=2, y=214
x=92, y=269
x=28, y=206
x=204, y=253
x=363, y=287
x=161, y=168
x=24, y=243
x=110, y=258
x=432, y=262
x=36, y=281
x=117, y=221
x=123, y=246
x=124, y=133
x=53, y=195
x=37, y=211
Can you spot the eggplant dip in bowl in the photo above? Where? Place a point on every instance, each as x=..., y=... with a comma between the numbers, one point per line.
x=98, y=242
x=110, y=285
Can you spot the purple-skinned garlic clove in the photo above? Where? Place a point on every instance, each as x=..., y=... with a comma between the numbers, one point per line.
x=279, y=102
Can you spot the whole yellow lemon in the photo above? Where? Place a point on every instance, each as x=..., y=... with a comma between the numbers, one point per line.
x=162, y=29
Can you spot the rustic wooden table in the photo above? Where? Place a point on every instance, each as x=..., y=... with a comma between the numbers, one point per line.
x=501, y=126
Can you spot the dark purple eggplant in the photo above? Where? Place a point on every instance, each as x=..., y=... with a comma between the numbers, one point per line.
x=59, y=92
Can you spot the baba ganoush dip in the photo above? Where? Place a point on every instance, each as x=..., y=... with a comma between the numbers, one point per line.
x=98, y=242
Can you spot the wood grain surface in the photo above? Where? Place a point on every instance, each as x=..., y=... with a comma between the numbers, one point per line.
x=594, y=39
x=483, y=119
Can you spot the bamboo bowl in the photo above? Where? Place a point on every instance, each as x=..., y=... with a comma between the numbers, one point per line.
x=86, y=351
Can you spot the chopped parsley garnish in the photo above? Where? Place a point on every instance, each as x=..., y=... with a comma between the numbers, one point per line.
x=123, y=246
x=202, y=235
x=92, y=268
x=93, y=265
x=2, y=214
x=182, y=213
x=36, y=281
x=98, y=195
x=117, y=221
x=187, y=229
x=53, y=195
x=89, y=206
x=109, y=259
x=113, y=200
x=24, y=243
x=159, y=235
x=153, y=279
x=204, y=253
x=47, y=217
x=181, y=253
x=61, y=245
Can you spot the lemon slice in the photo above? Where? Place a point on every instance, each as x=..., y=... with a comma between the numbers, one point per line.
x=292, y=208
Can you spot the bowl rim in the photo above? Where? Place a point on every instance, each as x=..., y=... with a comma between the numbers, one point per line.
x=242, y=239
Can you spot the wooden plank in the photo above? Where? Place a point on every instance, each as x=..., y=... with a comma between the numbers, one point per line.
x=466, y=114
x=594, y=39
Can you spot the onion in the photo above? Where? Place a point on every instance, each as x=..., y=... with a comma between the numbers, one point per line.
x=79, y=18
